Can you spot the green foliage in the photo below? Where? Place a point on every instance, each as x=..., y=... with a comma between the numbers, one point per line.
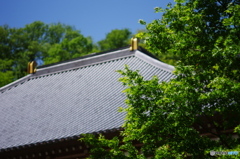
x=193, y=26
x=165, y=117
x=115, y=39
x=6, y=75
x=99, y=150
x=64, y=43
x=40, y=42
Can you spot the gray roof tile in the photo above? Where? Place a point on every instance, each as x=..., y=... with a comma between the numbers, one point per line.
x=54, y=104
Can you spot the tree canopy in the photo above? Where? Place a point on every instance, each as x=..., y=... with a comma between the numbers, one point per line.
x=115, y=39
x=44, y=43
x=171, y=119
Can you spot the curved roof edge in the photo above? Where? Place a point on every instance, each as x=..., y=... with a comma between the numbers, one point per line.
x=21, y=80
x=154, y=61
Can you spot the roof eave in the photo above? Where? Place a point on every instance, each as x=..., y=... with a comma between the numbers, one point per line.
x=15, y=83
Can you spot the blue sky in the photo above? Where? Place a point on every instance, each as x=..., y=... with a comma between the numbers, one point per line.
x=93, y=18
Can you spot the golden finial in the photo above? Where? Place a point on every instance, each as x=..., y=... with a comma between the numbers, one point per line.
x=32, y=67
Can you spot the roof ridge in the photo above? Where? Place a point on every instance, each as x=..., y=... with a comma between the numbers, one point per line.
x=85, y=56
x=99, y=58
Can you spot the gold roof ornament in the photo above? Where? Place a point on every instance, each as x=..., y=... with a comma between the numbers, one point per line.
x=134, y=44
x=32, y=67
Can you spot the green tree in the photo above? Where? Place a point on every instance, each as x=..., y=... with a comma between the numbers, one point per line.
x=63, y=42
x=44, y=43
x=115, y=39
x=6, y=73
x=166, y=117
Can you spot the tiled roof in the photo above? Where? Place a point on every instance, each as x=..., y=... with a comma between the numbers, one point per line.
x=71, y=98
